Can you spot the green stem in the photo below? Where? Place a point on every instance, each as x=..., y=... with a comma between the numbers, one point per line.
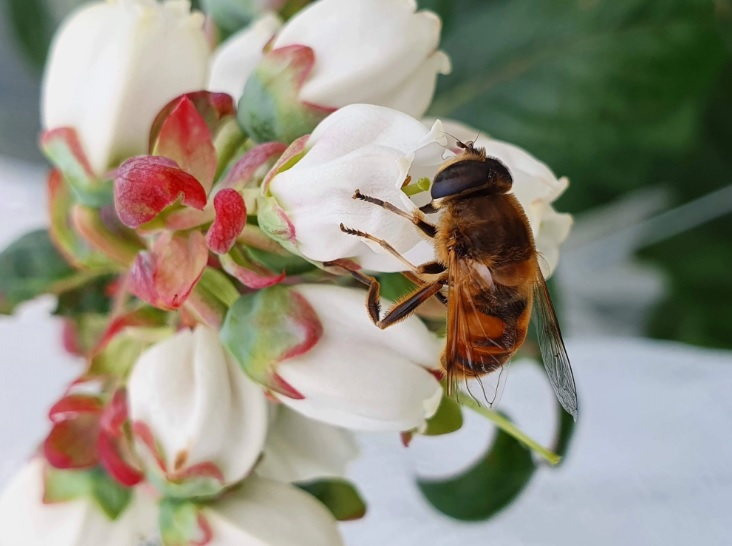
x=512, y=430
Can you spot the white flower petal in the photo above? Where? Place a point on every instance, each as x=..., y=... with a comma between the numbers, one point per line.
x=25, y=520
x=236, y=58
x=359, y=376
x=302, y=449
x=363, y=147
x=389, y=39
x=268, y=513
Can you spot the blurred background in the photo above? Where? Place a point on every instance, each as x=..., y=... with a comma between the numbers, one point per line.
x=632, y=101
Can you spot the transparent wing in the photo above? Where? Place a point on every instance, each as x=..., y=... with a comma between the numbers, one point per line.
x=553, y=353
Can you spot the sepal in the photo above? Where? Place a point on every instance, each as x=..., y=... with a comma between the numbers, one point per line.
x=63, y=148
x=270, y=108
x=185, y=138
x=266, y=327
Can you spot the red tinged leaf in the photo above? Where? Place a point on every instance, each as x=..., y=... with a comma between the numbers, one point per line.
x=63, y=147
x=290, y=155
x=252, y=275
x=186, y=139
x=113, y=445
x=145, y=185
x=72, y=405
x=114, y=463
x=212, y=107
x=231, y=215
x=72, y=443
x=244, y=171
x=165, y=275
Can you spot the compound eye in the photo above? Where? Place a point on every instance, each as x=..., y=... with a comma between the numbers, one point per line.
x=471, y=174
x=459, y=177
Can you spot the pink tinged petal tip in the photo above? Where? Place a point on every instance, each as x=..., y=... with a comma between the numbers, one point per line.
x=145, y=185
x=242, y=173
x=231, y=215
x=186, y=139
x=166, y=275
x=212, y=107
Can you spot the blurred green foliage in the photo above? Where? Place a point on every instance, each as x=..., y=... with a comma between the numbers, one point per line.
x=616, y=95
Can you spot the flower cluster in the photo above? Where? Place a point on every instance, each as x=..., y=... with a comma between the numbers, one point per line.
x=199, y=194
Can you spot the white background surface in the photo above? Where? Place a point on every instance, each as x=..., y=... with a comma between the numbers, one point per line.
x=650, y=463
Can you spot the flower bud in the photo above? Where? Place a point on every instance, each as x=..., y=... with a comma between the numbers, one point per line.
x=535, y=186
x=334, y=53
x=30, y=518
x=319, y=353
x=113, y=65
x=235, y=59
x=369, y=148
x=198, y=422
x=371, y=51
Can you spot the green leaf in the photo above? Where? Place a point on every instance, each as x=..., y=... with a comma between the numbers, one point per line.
x=487, y=487
x=230, y=15
x=65, y=485
x=112, y=497
x=339, y=496
x=68, y=485
x=599, y=90
x=182, y=524
x=289, y=263
x=449, y=418
x=31, y=266
x=32, y=24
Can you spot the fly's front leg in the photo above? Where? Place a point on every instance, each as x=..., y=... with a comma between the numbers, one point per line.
x=401, y=309
x=426, y=228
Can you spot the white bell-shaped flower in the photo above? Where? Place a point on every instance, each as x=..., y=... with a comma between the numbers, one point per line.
x=197, y=419
x=358, y=376
x=113, y=65
x=381, y=52
x=369, y=148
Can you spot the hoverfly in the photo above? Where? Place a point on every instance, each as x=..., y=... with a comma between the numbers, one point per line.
x=486, y=271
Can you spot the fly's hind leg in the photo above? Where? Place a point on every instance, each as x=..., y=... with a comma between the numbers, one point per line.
x=428, y=229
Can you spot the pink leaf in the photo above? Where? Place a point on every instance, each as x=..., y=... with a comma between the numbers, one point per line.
x=231, y=215
x=243, y=172
x=165, y=275
x=73, y=438
x=145, y=185
x=186, y=139
x=212, y=107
